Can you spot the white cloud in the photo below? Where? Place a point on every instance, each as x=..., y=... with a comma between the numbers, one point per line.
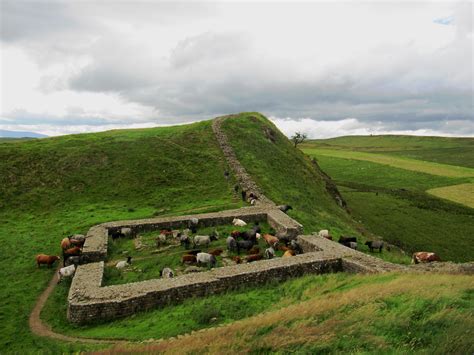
x=91, y=64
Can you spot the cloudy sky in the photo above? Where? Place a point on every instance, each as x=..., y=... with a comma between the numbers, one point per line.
x=325, y=68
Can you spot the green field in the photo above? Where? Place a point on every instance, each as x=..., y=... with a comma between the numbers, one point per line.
x=53, y=187
x=391, y=195
x=443, y=150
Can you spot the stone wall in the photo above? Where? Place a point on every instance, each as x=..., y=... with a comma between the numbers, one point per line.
x=246, y=182
x=88, y=302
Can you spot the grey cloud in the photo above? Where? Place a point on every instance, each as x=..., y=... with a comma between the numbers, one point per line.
x=30, y=20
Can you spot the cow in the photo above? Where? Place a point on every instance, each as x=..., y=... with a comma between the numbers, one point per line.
x=75, y=251
x=67, y=271
x=206, y=258
x=352, y=245
x=269, y=253
x=255, y=250
x=324, y=233
x=296, y=247
x=202, y=240
x=77, y=242
x=216, y=252
x=74, y=260
x=167, y=273
x=244, y=244
x=127, y=232
x=193, y=252
x=46, y=259
x=288, y=253
x=231, y=244
x=184, y=241
x=117, y=235
x=377, y=244
x=161, y=240
x=283, y=238
x=65, y=243
x=188, y=259
x=193, y=224
x=424, y=257
x=345, y=240
x=256, y=227
x=271, y=240
x=254, y=257
x=237, y=259
x=285, y=208
x=122, y=264
x=238, y=222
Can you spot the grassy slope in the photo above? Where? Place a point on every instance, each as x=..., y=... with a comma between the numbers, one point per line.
x=63, y=185
x=393, y=202
x=352, y=314
x=288, y=177
x=52, y=187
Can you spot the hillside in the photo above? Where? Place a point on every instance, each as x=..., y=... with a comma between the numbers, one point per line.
x=53, y=187
x=393, y=184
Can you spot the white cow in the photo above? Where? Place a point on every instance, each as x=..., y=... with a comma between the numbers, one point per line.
x=238, y=222
x=66, y=272
x=205, y=258
x=167, y=273
x=324, y=233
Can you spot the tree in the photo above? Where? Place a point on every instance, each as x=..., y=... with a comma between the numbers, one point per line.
x=298, y=138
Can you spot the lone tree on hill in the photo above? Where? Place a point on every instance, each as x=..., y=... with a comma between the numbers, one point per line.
x=298, y=138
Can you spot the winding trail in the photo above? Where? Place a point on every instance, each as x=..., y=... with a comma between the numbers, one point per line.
x=41, y=329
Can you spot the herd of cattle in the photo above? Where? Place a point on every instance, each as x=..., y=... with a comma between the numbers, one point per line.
x=71, y=249
x=236, y=243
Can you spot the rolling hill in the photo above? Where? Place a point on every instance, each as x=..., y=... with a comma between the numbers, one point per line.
x=53, y=187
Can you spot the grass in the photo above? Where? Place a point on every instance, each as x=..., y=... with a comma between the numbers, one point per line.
x=355, y=314
x=393, y=202
x=444, y=150
x=463, y=193
x=53, y=187
x=397, y=162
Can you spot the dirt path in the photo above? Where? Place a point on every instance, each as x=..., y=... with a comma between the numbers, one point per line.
x=41, y=329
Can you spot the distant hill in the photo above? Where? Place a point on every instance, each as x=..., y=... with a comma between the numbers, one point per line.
x=20, y=134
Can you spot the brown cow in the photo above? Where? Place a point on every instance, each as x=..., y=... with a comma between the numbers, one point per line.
x=46, y=259
x=237, y=259
x=188, y=259
x=65, y=243
x=255, y=250
x=252, y=258
x=288, y=253
x=235, y=234
x=271, y=240
x=77, y=242
x=216, y=252
x=424, y=257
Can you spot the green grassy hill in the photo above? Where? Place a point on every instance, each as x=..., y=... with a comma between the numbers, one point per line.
x=391, y=190
x=53, y=187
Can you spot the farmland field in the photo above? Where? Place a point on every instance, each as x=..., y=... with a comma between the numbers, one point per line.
x=394, y=195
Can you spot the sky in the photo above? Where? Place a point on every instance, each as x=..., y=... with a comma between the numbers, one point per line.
x=323, y=68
